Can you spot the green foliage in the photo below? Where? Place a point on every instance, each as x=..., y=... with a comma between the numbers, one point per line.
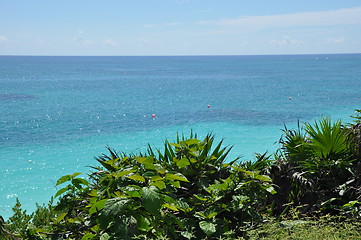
x=310, y=229
x=317, y=163
x=293, y=144
x=327, y=140
x=187, y=191
x=190, y=190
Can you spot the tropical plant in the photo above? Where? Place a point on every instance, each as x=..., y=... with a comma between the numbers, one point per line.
x=187, y=191
x=191, y=190
x=315, y=162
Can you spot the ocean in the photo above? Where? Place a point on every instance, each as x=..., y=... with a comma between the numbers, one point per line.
x=58, y=113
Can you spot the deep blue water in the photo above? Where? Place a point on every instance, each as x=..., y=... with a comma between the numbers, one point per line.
x=57, y=113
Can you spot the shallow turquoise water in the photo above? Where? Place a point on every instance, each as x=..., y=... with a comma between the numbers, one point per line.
x=57, y=113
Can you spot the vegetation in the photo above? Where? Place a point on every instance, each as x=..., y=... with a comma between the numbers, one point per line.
x=190, y=191
x=310, y=229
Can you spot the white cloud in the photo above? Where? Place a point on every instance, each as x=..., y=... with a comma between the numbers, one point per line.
x=286, y=41
x=80, y=40
x=143, y=40
x=172, y=24
x=3, y=39
x=149, y=25
x=209, y=10
x=182, y=1
x=336, y=40
x=325, y=18
x=110, y=42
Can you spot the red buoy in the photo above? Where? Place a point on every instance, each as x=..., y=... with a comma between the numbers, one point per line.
x=153, y=115
x=209, y=106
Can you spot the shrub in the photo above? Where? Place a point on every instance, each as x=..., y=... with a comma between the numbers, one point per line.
x=188, y=191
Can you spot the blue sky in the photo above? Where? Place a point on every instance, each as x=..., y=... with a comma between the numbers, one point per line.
x=179, y=27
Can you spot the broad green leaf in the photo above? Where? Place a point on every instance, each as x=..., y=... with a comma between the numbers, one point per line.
x=156, y=178
x=150, y=166
x=160, y=169
x=207, y=227
x=66, y=178
x=171, y=207
x=151, y=200
x=75, y=174
x=176, y=184
x=119, y=194
x=60, y=217
x=145, y=160
x=88, y=236
x=123, y=173
x=61, y=191
x=63, y=179
x=176, y=177
x=149, y=174
x=123, y=226
x=133, y=194
x=207, y=214
x=93, y=193
x=210, y=212
x=115, y=206
x=249, y=173
x=168, y=199
x=96, y=207
x=80, y=181
x=137, y=177
x=143, y=223
x=183, y=163
x=263, y=178
x=219, y=186
x=192, y=141
x=158, y=184
x=183, y=206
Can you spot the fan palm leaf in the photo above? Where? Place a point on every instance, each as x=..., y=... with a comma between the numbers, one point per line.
x=327, y=140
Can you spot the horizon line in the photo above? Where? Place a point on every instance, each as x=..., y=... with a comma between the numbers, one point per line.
x=181, y=55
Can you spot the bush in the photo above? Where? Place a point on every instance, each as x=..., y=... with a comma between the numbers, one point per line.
x=186, y=192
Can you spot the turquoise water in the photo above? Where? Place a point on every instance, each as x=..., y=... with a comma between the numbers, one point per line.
x=57, y=113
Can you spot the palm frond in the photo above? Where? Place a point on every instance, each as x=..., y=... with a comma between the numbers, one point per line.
x=328, y=140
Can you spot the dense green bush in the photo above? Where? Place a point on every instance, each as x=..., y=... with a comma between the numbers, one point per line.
x=318, y=168
x=190, y=190
x=186, y=192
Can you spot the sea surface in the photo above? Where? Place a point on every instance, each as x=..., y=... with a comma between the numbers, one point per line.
x=57, y=113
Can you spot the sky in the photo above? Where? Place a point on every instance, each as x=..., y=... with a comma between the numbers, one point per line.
x=179, y=27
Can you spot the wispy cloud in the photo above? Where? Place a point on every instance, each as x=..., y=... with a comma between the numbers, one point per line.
x=172, y=24
x=80, y=40
x=321, y=18
x=181, y=1
x=149, y=25
x=286, y=41
x=110, y=42
x=3, y=39
x=336, y=40
x=143, y=40
x=208, y=10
